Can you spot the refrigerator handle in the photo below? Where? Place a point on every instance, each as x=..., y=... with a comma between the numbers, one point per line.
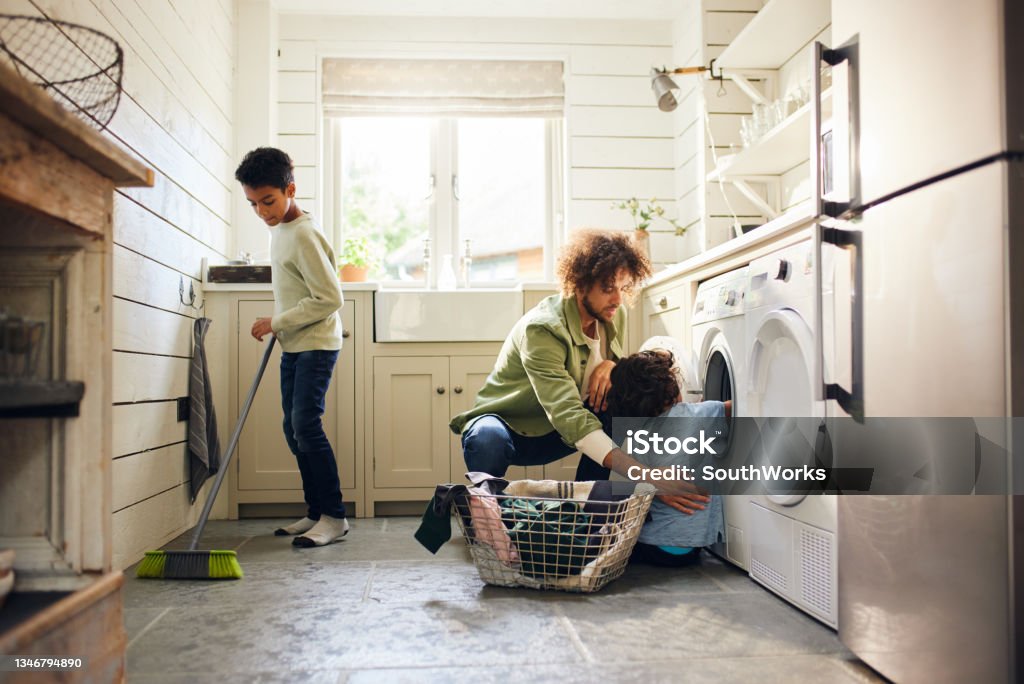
x=850, y=400
x=833, y=57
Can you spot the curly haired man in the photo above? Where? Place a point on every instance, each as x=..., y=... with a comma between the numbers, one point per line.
x=547, y=394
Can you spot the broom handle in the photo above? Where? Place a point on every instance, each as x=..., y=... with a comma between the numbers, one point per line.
x=231, y=446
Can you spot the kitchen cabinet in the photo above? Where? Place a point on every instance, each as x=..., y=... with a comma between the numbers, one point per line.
x=414, y=399
x=267, y=471
x=665, y=310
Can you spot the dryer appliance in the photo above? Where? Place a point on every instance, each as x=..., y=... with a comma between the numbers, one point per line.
x=719, y=344
x=792, y=536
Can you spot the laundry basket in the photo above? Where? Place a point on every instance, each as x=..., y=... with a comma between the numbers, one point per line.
x=518, y=539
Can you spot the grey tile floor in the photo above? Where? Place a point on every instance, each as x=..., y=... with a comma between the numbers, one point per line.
x=377, y=607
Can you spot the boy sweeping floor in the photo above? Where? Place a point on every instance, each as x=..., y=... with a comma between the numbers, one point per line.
x=307, y=323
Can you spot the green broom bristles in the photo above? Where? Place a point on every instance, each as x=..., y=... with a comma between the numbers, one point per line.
x=190, y=565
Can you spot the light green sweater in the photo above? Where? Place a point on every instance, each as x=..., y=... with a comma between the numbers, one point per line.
x=307, y=295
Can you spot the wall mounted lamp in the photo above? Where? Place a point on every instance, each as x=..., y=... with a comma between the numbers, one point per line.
x=663, y=85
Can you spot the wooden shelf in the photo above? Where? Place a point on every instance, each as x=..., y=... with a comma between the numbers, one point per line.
x=778, y=31
x=778, y=151
x=40, y=398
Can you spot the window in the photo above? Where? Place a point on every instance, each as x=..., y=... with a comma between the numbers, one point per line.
x=461, y=168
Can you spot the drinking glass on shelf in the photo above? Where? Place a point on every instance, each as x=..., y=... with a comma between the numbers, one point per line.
x=747, y=131
x=762, y=119
x=779, y=112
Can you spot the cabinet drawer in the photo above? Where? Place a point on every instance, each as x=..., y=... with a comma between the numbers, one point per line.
x=665, y=312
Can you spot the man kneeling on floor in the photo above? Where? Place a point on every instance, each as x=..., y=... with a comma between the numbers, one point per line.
x=546, y=396
x=646, y=385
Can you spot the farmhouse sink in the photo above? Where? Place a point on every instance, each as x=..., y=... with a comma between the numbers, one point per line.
x=474, y=315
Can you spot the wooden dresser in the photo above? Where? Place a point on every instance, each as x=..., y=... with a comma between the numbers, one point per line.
x=57, y=179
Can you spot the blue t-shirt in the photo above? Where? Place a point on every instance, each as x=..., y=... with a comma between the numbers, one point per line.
x=668, y=527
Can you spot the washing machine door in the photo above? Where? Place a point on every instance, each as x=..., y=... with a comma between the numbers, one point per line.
x=780, y=369
x=719, y=380
x=780, y=373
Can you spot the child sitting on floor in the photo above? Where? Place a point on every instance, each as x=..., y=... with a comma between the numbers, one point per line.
x=646, y=385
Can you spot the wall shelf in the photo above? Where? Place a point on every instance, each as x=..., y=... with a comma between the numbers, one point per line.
x=40, y=398
x=778, y=151
x=778, y=31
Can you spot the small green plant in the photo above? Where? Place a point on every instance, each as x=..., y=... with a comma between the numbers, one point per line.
x=357, y=251
x=644, y=216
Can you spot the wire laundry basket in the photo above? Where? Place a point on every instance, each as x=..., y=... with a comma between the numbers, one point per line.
x=551, y=543
x=78, y=66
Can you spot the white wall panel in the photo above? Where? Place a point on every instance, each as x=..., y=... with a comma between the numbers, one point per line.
x=642, y=122
x=615, y=183
x=140, y=427
x=143, y=475
x=297, y=55
x=624, y=153
x=141, y=328
x=301, y=148
x=611, y=90
x=296, y=86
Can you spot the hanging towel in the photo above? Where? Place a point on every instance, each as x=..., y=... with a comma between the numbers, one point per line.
x=203, y=443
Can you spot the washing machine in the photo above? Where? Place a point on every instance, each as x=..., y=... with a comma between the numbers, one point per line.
x=719, y=344
x=792, y=536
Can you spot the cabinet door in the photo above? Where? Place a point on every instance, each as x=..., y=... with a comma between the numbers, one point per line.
x=264, y=459
x=468, y=374
x=665, y=313
x=411, y=446
x=344, y=439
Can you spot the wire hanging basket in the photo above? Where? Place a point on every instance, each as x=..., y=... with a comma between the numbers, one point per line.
x=78, y=66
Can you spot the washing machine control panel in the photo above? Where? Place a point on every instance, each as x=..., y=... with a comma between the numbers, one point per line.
x=721, y=297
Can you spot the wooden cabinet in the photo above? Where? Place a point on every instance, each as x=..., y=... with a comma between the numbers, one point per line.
x=267, y=471
x=410, y=421
x=414, y=399
x=57, y=181
x=666, y=311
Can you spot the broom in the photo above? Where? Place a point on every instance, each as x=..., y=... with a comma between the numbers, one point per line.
x=192, y=563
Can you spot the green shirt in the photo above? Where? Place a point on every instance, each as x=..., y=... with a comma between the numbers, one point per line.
x=536, y=382
x=307, y=295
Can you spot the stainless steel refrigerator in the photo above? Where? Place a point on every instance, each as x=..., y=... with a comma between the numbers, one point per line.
x=920, y=209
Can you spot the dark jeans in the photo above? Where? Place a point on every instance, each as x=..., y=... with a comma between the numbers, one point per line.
x=490, y=446
x=305, y=377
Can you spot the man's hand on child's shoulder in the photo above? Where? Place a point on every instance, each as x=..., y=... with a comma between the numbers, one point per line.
x=261, y=327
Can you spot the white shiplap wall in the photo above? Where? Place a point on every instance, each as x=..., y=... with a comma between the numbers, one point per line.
x=618, y=143
x=175, y=115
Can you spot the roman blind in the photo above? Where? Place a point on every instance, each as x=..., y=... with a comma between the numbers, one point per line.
x=442, y=87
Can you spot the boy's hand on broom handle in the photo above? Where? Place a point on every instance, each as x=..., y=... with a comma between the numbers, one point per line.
x=261, y=328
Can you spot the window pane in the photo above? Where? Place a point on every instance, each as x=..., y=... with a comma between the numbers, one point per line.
x=385, y=188
x=502, y=177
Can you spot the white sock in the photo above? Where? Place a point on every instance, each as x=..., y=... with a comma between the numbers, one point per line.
x=326, y=531
x=297, y=527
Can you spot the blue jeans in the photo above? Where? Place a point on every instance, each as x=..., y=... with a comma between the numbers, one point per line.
x=490, y=446
x=305, y=377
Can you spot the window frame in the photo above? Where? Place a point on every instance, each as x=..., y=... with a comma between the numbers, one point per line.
x=443, y=228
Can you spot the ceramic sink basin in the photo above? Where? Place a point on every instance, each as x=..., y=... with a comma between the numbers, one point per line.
x=474, y=315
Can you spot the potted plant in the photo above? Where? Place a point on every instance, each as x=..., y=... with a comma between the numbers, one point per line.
x=643, y=217
x=356, y=259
